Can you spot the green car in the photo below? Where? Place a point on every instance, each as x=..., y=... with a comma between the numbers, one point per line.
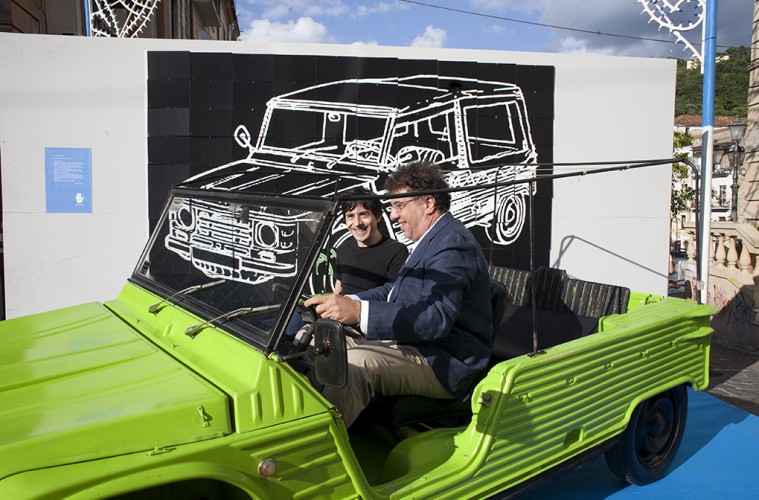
x=185, y=386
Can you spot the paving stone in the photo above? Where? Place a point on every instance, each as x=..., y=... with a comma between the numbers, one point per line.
x=734, y=377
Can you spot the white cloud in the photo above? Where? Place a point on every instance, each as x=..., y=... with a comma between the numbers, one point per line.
x=432, y=37
x=364, y=10
x=369, y=43
x=574, y=45
x=494, y=28
x=510, y=5
x=279, y=9
x=304, y=29
x=380, y=8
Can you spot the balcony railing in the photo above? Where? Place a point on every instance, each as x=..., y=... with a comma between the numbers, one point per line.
x=732, y=282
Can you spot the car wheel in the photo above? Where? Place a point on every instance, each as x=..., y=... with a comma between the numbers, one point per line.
x=646, y=448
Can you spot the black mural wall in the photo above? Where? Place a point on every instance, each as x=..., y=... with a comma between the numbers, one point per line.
x=208, y=111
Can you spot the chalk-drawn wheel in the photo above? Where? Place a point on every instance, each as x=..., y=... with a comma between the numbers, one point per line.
x=322, y=279
x=508, y=219
x=645, y=450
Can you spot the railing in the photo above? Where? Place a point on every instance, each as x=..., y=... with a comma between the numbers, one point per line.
x=732, y=285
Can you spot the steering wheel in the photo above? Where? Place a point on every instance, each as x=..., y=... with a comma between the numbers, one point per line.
x=282, y=292
x=309, y=314
x=362, y=148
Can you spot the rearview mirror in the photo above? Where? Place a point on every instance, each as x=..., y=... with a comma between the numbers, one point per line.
x=331, y=360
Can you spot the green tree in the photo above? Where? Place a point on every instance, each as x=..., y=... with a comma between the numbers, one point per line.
x=731, y=79
x=688, y=92
x=682, y=193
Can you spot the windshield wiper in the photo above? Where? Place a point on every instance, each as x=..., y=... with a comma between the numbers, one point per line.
x=243, y=311
x=186, y=291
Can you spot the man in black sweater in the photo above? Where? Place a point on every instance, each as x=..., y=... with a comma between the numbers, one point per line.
x=370, y=258
x=366, y=260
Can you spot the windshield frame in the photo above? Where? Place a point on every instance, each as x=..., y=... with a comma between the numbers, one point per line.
x=261, y=340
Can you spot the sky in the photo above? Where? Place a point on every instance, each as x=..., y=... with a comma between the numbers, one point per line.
x=608, y=27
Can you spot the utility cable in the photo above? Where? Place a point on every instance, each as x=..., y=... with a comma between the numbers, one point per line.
x=542, y=25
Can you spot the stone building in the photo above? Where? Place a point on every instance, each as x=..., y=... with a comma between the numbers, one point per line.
x=177, y=19
x=749, y=190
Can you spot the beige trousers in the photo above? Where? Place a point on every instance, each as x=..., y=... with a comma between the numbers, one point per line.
x=384, y=367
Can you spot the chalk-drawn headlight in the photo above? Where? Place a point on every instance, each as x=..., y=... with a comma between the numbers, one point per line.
x=266, y=235
x=184, y=216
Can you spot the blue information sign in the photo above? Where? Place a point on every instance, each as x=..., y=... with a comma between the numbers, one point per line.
x=68, y=180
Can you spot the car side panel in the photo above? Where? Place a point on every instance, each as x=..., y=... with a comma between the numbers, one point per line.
x=307, y=456
x=532, y=413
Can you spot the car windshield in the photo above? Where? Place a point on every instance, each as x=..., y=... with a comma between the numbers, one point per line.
x=232, y=258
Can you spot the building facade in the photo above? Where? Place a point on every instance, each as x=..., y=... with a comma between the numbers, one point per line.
x=175, y=19
x=749, y=191
x=721, y=205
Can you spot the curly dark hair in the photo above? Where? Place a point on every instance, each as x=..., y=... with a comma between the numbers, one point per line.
x=420, y=176
x=373, y=205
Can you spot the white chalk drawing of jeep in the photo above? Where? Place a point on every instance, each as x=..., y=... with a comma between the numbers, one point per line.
x=477, y=131
x=231, y=241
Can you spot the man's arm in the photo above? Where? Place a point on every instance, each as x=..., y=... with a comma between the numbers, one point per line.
x=345, y=309
x=377, y=293
x=338, y=307
x=430, y=296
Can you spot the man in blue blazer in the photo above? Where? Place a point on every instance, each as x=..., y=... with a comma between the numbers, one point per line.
x=428, y=331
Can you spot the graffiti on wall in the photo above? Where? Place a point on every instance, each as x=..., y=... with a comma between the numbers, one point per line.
x=479, y=131
x=735, y=312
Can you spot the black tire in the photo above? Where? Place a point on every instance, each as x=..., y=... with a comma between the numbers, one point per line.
x=645, y=450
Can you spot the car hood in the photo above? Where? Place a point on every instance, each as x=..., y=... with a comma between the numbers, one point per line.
x=76, y=382
x=226, y=176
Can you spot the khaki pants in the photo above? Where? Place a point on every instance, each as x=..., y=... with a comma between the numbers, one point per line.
x=382, y=367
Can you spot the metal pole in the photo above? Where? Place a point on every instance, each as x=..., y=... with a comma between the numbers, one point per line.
x=87, y=20
x=707, y=145
x=697, y=179
x=734, y=161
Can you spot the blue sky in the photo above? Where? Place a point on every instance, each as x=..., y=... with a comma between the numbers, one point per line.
x=406, y=23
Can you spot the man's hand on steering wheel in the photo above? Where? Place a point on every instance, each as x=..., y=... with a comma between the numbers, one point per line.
x=307, y=314
x=338, y=307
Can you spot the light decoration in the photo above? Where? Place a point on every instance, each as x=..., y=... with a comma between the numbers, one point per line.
x=120, y=18
x=678, y=18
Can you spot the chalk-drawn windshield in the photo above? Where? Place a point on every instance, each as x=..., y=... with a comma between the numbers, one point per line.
x=326, y=133
x=223, y=255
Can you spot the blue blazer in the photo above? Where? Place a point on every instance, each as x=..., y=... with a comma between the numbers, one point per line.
x=440, y=304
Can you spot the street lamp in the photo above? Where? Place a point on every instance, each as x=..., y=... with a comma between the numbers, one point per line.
x=736, y=134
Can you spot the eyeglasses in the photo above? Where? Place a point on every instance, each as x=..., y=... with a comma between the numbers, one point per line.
x=399, y=205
